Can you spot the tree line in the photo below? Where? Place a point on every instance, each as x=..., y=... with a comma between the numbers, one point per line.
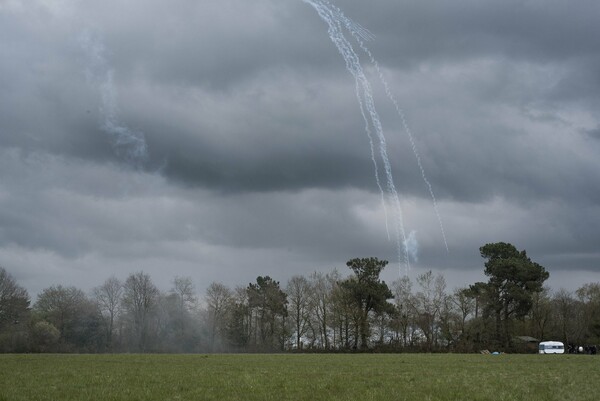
x=321, y=312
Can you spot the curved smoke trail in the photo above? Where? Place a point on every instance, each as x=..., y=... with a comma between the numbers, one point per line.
x=373, y=158
x=332, y=17
x=128, y=143
x=358, y=33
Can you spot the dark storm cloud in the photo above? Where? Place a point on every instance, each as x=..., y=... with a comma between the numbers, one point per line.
x=259, y=161
x=46, y=103
x=594, y=133
x=74, y=208
x=273, y=137
x=538, y=31
x=486, y=58
x=214, y=44
x=505, y=83
x=245, y=55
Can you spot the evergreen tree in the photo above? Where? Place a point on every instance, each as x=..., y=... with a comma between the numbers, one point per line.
x=513, y=280
x=368, y=293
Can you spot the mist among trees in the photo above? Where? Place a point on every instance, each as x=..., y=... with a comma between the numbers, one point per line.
x=347, y=310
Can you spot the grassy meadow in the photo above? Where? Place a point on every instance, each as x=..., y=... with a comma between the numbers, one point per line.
x=299, y=377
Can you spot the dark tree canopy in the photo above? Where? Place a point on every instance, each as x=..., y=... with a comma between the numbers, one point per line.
x=513, y=280
x=14, y=314
x=14, y=300
x=322, y=312
x=368, y=292
x=68, y=310
x=269, y=304
x=140, y=297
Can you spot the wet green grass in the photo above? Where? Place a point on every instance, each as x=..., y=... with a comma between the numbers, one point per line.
x=299, y=377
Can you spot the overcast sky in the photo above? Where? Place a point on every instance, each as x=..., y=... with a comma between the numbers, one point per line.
x=222, y=139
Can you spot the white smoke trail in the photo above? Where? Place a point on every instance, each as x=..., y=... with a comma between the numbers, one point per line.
x=332, y=17
x=358, y=35
x=412, y=245
x=373, y=158
x=128, y=143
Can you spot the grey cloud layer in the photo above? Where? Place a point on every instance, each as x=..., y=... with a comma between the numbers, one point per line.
x=257, y=146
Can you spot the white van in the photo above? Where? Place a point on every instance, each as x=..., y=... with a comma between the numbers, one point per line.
x=551, y=347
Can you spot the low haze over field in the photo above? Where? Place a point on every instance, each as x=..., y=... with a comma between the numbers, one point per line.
x=223, y=140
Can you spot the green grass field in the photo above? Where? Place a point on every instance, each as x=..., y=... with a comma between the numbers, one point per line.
x=299, y=377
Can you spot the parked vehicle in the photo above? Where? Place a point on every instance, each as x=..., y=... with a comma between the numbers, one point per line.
x=551, y=347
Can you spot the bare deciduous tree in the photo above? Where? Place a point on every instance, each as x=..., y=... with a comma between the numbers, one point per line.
x=14, y=313
x=218, y=300
x=108, y=298
x=403, y=322
x=139, y=299
x=298, y=289
x=429, y=302
x=185, y=293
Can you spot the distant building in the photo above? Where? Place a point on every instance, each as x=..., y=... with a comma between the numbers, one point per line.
x=526, y=344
